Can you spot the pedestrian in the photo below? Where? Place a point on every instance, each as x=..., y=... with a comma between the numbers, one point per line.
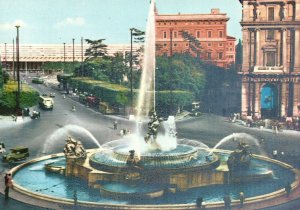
x=288, y=189
x=6, y=181
x=275, y=153
x=227, y=201
x=242, y=199
x=199, y=202
x=115, y=125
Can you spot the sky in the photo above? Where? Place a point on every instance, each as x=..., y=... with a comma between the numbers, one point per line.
x=59, y=21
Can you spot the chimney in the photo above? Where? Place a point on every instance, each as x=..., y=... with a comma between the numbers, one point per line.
x=215, y=11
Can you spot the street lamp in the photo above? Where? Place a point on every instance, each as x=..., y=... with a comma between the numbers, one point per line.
x=5, y=64
x=133, y=33
x=13, y=64
x=170, y=72
x=18, y=70
x=73, y=40
x=81, y=56
x=64, y=57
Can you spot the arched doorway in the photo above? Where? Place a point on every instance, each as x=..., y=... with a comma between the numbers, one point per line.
x=269, y=101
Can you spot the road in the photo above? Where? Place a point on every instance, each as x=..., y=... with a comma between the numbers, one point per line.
x=47, y=135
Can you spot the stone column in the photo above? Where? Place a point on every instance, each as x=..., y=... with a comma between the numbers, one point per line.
x=257, y=98
x=283, y=99
x=258, y=63
x=297, y=50
x=296, y=112
x=246, y=42
x=244, y=97
x=297, y=10
x=284, y=46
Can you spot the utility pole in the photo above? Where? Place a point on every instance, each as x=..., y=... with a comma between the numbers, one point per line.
x=5, y=64
x=82, y=56
x=18, y=71
x=13, y=64
x=64, y=57
x=130, y=65
x=170, y=72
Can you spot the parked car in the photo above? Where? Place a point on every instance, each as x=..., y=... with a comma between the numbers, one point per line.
x=2, y=148
x=52, y=95
x=46, y=102
x=37, y=80
x=17, y=153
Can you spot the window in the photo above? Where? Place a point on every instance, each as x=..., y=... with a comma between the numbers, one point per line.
x=271, y=14
x=270, y=58
x=209, y=44
x=220, y=55
x=220, y=34
x=209, y=34
x=175, y=34
x=175, y=45
x=270, y=35
x=209, y=55
x=165, y=44
x=198, y=34
x=220, y=44
x=165, y=35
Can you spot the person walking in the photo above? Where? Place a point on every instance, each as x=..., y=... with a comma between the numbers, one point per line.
x=199, y=202
x=227, y=201
x=242, y=199
x=7, y=185
x=288, y=189
x=115, y=125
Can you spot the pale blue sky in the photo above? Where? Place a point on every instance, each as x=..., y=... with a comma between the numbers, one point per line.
x=58, y=21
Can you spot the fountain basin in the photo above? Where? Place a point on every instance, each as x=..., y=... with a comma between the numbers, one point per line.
x=59, y=188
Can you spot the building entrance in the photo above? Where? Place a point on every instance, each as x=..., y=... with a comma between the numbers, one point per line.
x=269, y=101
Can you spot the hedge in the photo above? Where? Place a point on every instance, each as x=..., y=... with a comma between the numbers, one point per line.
x=28, y=98
x=119, y=95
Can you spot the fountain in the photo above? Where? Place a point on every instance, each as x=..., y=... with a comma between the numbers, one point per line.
x=151, y=167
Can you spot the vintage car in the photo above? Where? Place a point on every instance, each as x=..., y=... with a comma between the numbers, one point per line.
x=17, y=153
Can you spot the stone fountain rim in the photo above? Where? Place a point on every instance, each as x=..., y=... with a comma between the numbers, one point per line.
x=52, y=199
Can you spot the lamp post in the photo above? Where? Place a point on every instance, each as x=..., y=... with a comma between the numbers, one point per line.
x=81, y=56
x=18, y=70
x=73, y=40
x=170, y=71
x=13, y=64
x=64, y=57
x=130, y=65
x=5, y=64
x=133, y=33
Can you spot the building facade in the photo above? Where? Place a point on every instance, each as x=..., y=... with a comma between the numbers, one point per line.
x=32, y=56
x=271, y=58
x=209, y=29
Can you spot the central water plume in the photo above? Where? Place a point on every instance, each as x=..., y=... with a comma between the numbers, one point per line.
x=146, y=98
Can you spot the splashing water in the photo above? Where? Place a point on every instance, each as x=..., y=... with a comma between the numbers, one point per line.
x=146, y=98
x=64, y=132
x=236, y=137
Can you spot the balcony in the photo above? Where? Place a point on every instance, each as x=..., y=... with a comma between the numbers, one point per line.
x=268, y=69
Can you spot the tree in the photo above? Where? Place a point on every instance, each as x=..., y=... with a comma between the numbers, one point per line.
x=117, y=69
x=187, y=74
x=239, y=55
x=97, y=49
x=194, y=44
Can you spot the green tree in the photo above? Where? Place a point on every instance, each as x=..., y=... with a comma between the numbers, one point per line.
x=194, y=44
x=117, y=69
x=239, y=55
x=97, y=49
x=1, y=77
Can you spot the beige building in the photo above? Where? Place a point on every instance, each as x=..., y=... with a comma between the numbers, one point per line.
x=271, y=58
x=32, y=56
